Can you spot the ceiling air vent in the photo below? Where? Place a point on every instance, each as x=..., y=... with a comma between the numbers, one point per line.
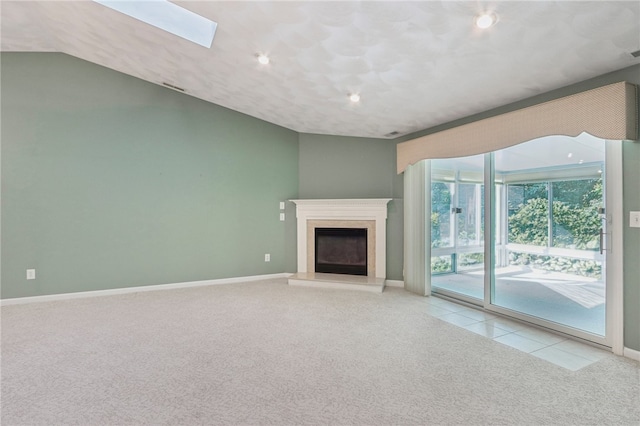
x=636, y=54
x=394, y=133
x=171, y=86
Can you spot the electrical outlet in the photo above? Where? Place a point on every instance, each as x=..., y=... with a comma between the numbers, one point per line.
x=267, y=257
x=281, y=205
x=31, y=274
x=281, y=217
x=634, y=219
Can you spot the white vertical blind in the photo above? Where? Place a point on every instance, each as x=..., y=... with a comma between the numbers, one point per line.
x=417, y=254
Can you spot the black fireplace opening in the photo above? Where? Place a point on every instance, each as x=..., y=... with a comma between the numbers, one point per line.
x=341, y=250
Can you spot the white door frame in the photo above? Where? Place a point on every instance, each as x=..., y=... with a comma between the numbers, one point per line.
x=614, y=245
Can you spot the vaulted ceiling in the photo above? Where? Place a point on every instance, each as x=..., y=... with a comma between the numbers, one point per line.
x=414, y=64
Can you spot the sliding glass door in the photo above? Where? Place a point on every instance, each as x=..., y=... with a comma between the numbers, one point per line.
x=549, y=259
x=457, y=226
x=545, y=259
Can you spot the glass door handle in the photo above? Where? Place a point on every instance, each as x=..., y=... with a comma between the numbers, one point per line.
x=456, y=210
x=602, y=234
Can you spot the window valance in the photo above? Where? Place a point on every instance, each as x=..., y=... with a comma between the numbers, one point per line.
x=608, y=112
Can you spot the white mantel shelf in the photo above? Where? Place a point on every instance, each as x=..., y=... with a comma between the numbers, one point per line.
x=354, y=209
x=344, y=202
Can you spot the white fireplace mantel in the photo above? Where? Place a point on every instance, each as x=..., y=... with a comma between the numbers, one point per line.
x=367, y=209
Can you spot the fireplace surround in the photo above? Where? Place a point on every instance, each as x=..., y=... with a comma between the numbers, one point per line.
x=369, y=214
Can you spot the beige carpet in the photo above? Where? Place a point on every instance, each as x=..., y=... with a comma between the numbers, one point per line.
x=266, y=353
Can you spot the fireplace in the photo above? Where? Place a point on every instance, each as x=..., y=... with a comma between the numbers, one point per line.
x=367, y=214
x=341, y=250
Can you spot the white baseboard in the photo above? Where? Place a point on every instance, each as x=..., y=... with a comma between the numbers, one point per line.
x=126, y=290
x=394, y=283
x=632, y=353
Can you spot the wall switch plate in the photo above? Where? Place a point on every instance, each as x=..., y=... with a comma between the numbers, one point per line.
x=281, y=217
x=267, y=257
x=634, y=219
x=31, y=274
x=281, y=205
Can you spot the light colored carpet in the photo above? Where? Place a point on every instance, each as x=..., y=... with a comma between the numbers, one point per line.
x=266, y=353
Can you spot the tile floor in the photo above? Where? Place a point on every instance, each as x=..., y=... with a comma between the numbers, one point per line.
x=550, y=347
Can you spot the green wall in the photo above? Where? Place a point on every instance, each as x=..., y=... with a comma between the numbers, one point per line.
x=347, y=167
x=109, y=181
x=631, y=188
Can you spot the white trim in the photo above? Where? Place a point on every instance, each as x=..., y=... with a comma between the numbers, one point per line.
x=614, y=246
x=126, y=290
x=344, y=209
x=492, y=232
x=394, y=283
x=632, y=354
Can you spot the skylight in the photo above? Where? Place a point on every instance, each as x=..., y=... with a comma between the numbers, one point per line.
x=168, y=17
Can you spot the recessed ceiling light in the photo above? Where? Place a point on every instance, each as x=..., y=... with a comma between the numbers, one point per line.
x=168, y=17
x=486, y=20
x=570, y=155
x=354, y=97
x=263, y=59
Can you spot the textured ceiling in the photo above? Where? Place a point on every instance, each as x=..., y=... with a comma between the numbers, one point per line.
x=415, y=64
